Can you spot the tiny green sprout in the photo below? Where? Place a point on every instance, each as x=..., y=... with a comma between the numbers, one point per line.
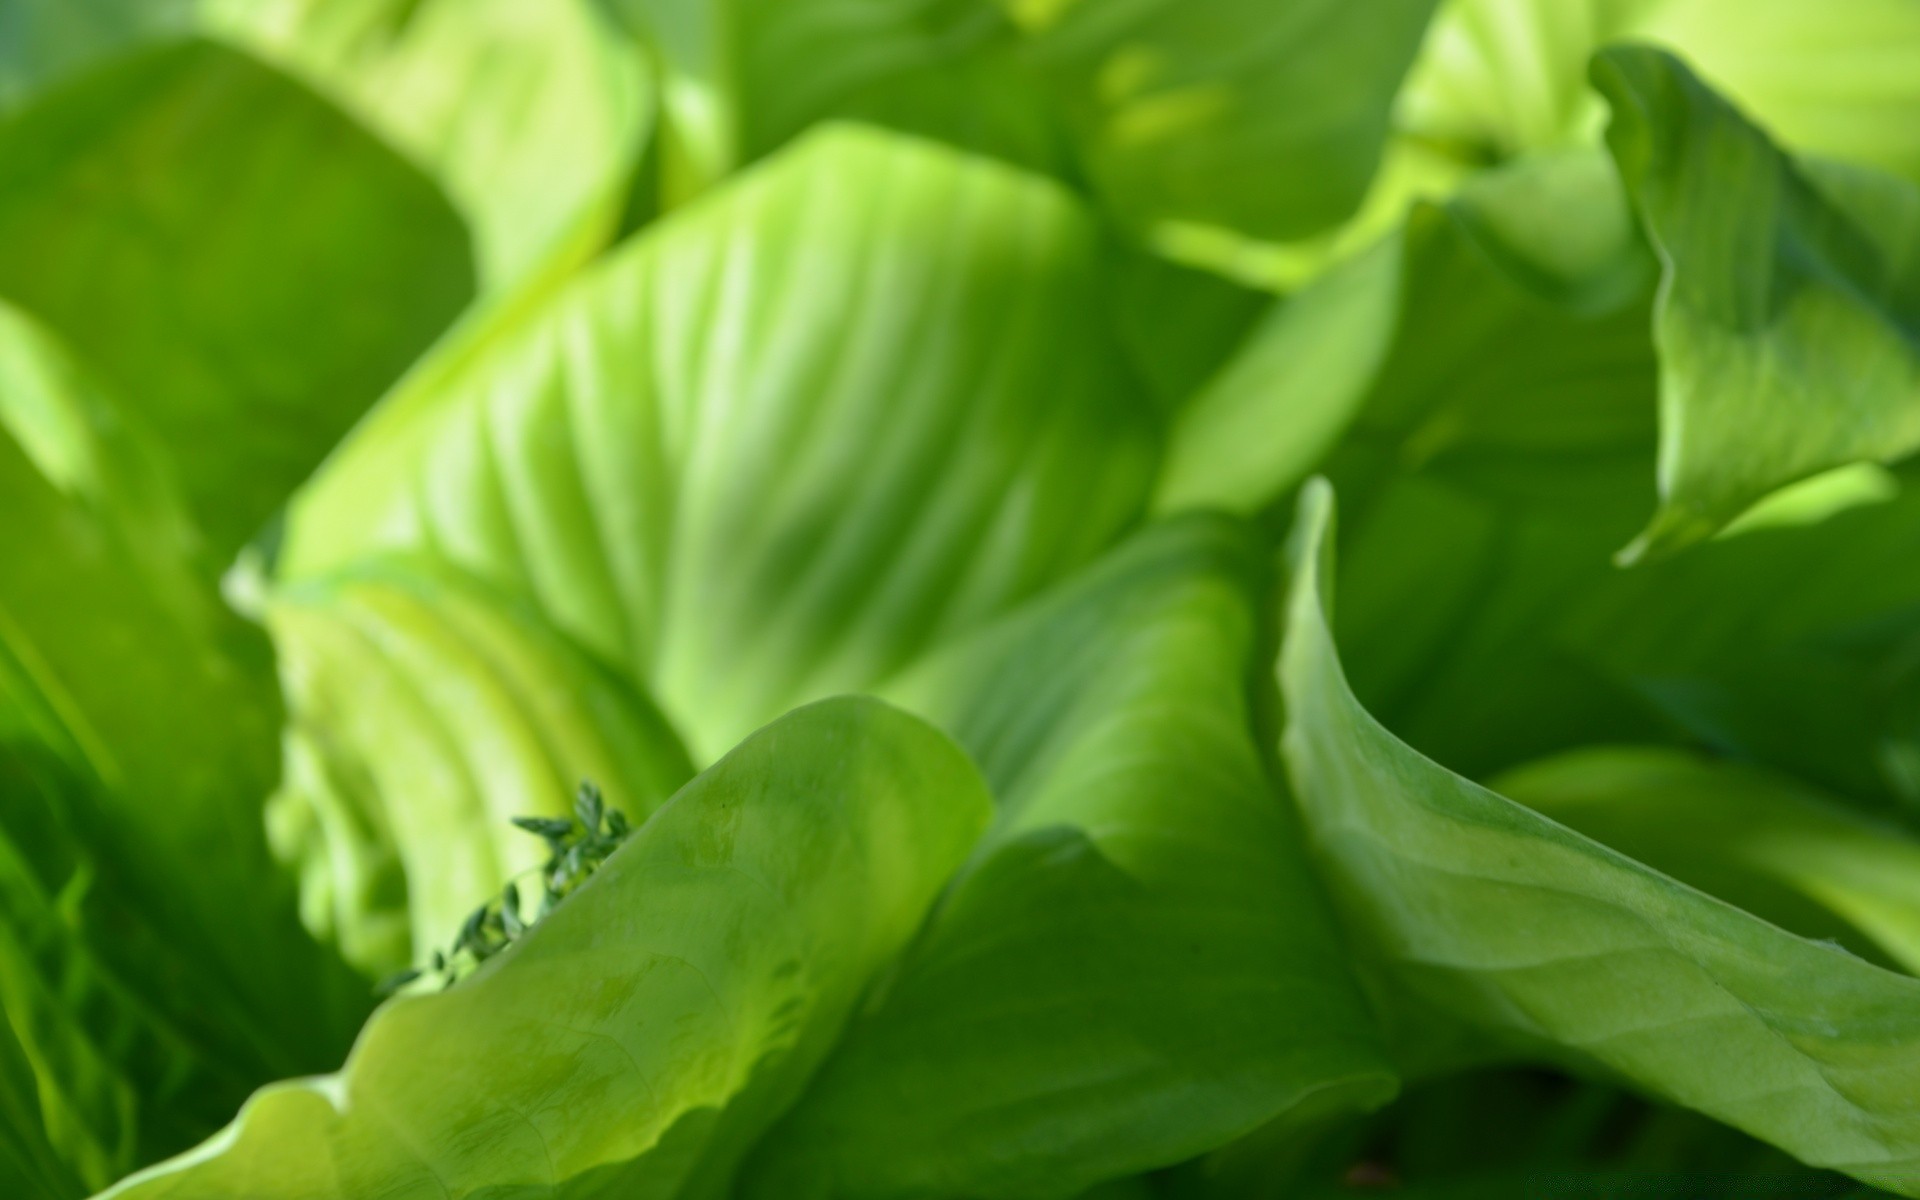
x=576, y=846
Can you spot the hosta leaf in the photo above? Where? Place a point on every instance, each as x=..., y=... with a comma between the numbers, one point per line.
x=1500, y=77
x=1264, y=117
x=743, y=77
x=864, y=398
x=1138, y=966
x=637, y=1039
x=1495, y=916
x=1493, y=317
x=533, y=114
x=176, y=216
x=424, y=715
x=1788, y=316
x=1790, y=644
x=156, y=964
x=1760, y=840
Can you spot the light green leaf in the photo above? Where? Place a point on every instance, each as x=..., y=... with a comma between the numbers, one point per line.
x=1274, y=410
x=1501, y=77
x=1788, y=317
x=1138, y=966
x=637, y=1039
x=1492, y=915
x=423, y=715
x=177, y=217
x=1754, y=838
x=865, y=398
x=1501, y=317
x=533, y=114
x=1264, y=117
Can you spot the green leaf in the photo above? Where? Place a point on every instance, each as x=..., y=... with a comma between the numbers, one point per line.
x=102, y=1078
x=1788, y=315
x=1500, y=318
x=637, y=1040
x=864, y=398
x=177, y=217
x=42, y=40
x=1788, y=644
x=1138, y=966
x=1501, y=77
x=1263, y=117
x=1489, y=914
x=1754, y=838
x=423, y=716
x=532, y=114
x=744, y=77
x=153, y=969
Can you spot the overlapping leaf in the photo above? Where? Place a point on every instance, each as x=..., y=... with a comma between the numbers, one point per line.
x=1789, y=313
x=1138, y=966
x=1612, y=966
x=1502, y=77
x=532, y=114
x=864, y=398
x=637, y=1039
x=1755, y=838
x=423, y=716
x=174, y=214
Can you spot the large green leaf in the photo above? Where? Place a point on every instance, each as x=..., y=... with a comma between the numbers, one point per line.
x=1482, y=385
x=636, y=1040
x=177, y=216
x=1138, y=966
x=1495, y=916
x=1264, y=116
x=1500, y=77
x=1749, y=836
x=1500, y=319
x=864, y=398
x=533, y=114
x=1789, y=314
x=423, y=715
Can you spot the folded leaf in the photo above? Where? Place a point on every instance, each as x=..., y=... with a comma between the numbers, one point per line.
x=1492, y=318
x=1752, y=837
x=99, y=1078
x=1786, y=644
x=1495, y=916
x=744, y=77
x=1138, y=966
x=1501, y=77
x=126, y=668
x=1263, y=117
x=865, y=397
x=533, y=114
x=636, y=1040
x=1789, y=314
x=177, y=217
x=425, y=714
